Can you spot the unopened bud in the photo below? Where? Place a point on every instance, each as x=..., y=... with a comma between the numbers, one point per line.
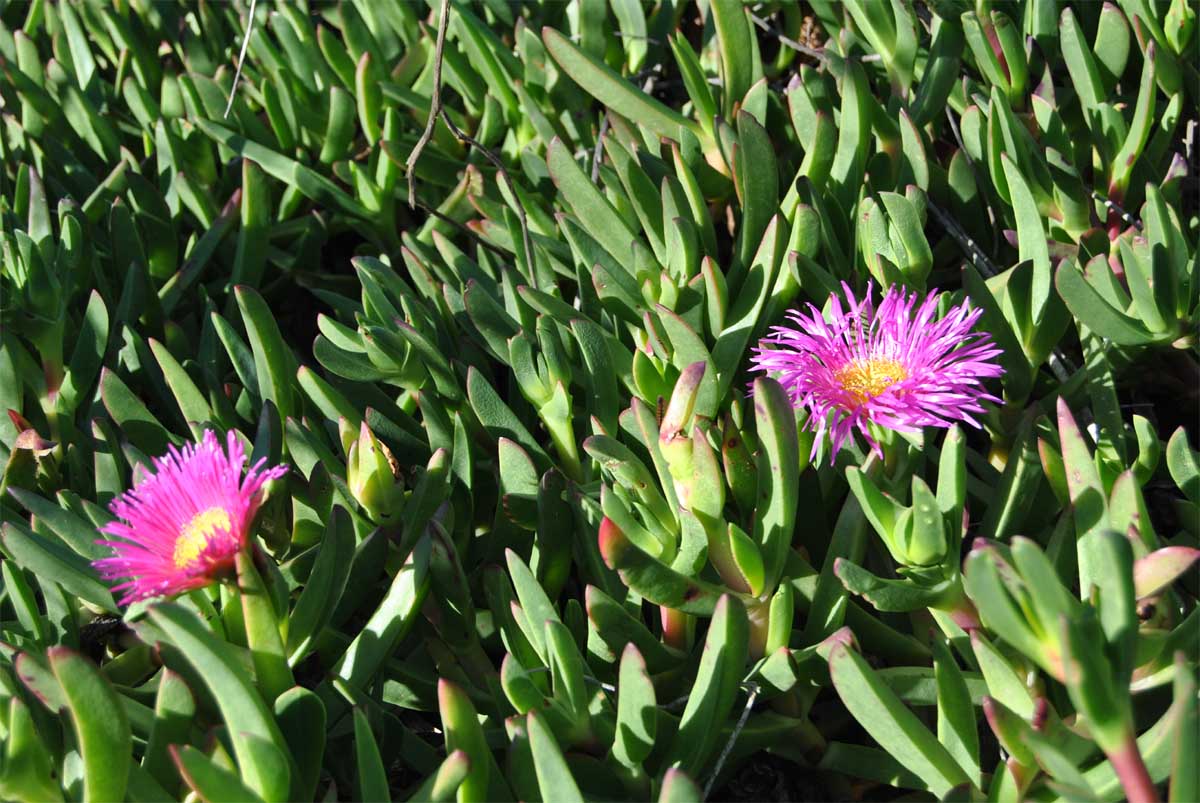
x=373, y=476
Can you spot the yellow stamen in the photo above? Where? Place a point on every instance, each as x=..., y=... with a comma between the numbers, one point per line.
x=193, y=537
x=866, y=379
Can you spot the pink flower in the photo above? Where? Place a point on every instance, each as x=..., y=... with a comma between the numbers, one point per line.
x=896, y=366
x=184, y=524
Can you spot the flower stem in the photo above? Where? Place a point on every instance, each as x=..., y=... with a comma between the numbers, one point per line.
x=1131, y=770
x=262, y=631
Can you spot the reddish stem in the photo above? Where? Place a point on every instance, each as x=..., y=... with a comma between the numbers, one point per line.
x=1115, y=224
x=674, y=627
x=1131, y=770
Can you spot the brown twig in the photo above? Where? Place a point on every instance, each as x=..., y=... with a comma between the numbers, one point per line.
x=436, y=112
x=435, y=105
x=488, y=154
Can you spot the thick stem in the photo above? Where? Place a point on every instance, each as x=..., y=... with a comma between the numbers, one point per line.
x=1131, y=770
x=262, y=631
x=676, y=632
x=759, y=617
x=563, y=438
x=962, y=612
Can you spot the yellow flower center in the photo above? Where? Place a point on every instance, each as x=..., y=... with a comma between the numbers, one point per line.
x=866, y=379
x=193, y=536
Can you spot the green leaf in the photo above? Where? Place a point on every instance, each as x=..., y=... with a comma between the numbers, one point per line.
x=79, y=535
x=132, y=415
x=211, y=781
x=1114, y=581
x=889, y=595
x=743, y=321
x=310, y=183
x=443, y=784
x=722, y=665
x=463, y=733
x=636, y=710
x=1087, y=494
x=566, y=666
x=598, y=80
x=678, y=787
x=881, y=510
x=591, y=208
x=174, y=709
x=734, y=37
x=618, y=628
x=553, y=775
x=1156, y=572
x=747, y=558
x=757, y=182
x=537, y=606
x=301, y=717
x=271, y=669
x=372, y=777
x=1143, y=278
x=88, y=355
x=28, y=772
x=1139, y=127
x=191, y=401
x=101, y=727
x=854, y=134
x=695, y=82
x=241, y=707
x=1184, y=465
x=1185, y=773
x=891, y=724
x=274, y=363
x=942, y=71
x=999, y=613
x=54, y=563
x=651, y=578
x=778, y=476
x=1031, y=238
x=956, y=722
x=392, y=619
x=859, y=761
x=324, y=585
x=498, y=418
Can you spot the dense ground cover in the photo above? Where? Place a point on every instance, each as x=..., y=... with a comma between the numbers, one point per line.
x=600, y=399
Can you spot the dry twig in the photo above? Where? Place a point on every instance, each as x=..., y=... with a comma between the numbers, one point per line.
x=436, y=112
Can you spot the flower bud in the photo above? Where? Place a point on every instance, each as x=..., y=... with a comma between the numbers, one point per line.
x=373, y=477
x=924, y=540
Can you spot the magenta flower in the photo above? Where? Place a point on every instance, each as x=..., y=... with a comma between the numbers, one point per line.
x=184, y=524
x=894, y=366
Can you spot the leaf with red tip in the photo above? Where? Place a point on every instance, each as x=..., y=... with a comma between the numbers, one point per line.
x=652, y=579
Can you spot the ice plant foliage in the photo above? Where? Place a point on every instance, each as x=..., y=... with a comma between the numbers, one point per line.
x=898, y=365
x=185, y=522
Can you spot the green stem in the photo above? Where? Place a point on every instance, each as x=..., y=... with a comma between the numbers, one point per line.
x=563, y=437
x=262, y=631
x=760, y=623
x=676, y=628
